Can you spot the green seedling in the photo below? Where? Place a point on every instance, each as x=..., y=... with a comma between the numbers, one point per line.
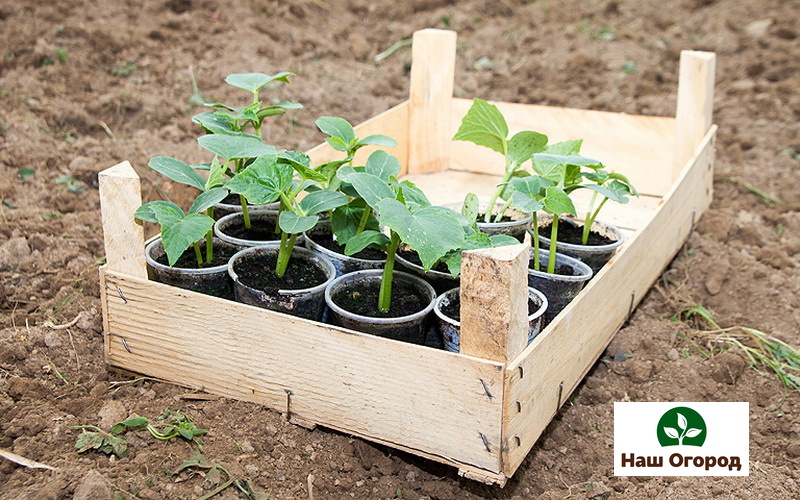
x=342, y=137
x=72, y=184
x=216, y=477
x=94, y=438
x=407, y=214
x=172, y=424
x=270, y=178
x=181, y=230
x=485, y=126
x=228, y=119
x=609, y=186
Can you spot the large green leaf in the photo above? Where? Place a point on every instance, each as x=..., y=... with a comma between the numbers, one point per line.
x=370, y=187
x=484, y=125
x=364, y=239
x=208, y=199
x=523, y=145
x=233, y=147
x=291, y=223
x=145, y=212
x=413, y=196
x=614, y=191
x=178, y=232
x=215, y=123
x=557, y=202
x=377, y=140
x=525, y=203
x=337, y=128
x=572, y=159
x=262, y=181
x=254, y=82
x=430, y=231
x=177, y=171
x=570, y=147
x=382, y=164
x=322, y=201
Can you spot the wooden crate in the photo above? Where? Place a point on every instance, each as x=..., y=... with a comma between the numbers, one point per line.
x=481, y=410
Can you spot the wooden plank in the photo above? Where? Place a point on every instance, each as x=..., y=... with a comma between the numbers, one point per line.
x=622, y=142
x=120, y=196
x=695, y=104
x=545, y=374
x=494, y=302
x=431, y=402
x=431, y=95
x=451, y=186
x=393, y=122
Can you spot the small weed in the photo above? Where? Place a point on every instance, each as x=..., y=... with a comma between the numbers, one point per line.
x=217, y=477
x=53, y=215
x=763, y=197
x=588, y=486
x=597, y=427
x=72, y=184
x=8, y=204
x=62, y=55
x=124, y=70
x=629, y=68
x=606, y=34
x=26, y=172
x=95, y=438
x=174, y=423
x=760, y=349
x=445, y=21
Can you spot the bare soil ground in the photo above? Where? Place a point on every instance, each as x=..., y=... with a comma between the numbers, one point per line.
x=84, y=85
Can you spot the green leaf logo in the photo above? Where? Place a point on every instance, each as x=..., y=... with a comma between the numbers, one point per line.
x=681, y=426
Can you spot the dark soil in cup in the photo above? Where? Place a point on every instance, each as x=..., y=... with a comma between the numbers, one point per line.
x=563, y=269
x=362, y=299
x=257, y=271
x=567, y=233
x=326, y=240
x=504, y=218
x=188, y=260
x=453, y=309
x=413, y=257
x=231, y=199
x=260, y=230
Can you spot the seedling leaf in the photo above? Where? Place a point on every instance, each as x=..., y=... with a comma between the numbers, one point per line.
x=370, y=187
x=322, y=201
x=216, y=174
x=364, y=239
x=383, y=165
x=178, y=232
x=177, y=171
x=377, y=140
x=292, y=223
x=337, y=128
x=262, y=181
x=523, y=145
x=233, y=147
x=145, y=212
x=557, y=202
x=484, y=125
x=254, y=82
x=208, y=199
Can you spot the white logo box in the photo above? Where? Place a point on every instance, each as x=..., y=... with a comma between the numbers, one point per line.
x=638, y=452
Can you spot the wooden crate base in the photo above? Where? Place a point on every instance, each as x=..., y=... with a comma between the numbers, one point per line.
x=481, y=410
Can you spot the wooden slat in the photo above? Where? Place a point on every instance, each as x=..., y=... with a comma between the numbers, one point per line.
x=120, y=196
x=494, y=302
x=636, y=146
x=393, y=122
x=545, y=374
x=695, y=104
x=431, y=402
x=431, y=96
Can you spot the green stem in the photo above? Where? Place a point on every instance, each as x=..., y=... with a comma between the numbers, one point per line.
x=587, y=224
x=198, y=254
x=285, y=252
x=364, y=219
x=210, y=239
x=487, y=217
x=245, y=212
x=385, y=294
x=536, y=257
x=551, y=257
x=502, y=211
x=590, y=218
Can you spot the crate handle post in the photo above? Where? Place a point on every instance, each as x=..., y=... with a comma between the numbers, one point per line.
x=494, y=302
x=433, y=55
x=695, y=105
x=120, y=196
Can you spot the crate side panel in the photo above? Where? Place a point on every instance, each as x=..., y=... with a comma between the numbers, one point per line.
x=443, y=404
x=545, y=374
x=620, y=141
x=392, y=122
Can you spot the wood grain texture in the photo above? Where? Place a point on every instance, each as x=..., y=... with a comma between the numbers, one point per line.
x=637, y=146
x=393, y=122
x=432, y=402
x=494, y=302
x=547, y=372
x=695, y=104
x=431, y=95
x=120, y=196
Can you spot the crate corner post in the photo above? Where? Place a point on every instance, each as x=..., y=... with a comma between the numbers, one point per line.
x=123, y=236
x=693, y=115
x=430, y=98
